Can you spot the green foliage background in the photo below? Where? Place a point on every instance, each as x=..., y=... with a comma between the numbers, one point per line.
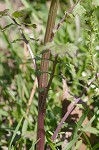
x=76, y=42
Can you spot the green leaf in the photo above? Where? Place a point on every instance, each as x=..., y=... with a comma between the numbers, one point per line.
x=4, y=13
x=95, y=3
x=11, y=93
x=68, y=48
x=79, y=123
x=26, y=117
x=20, y=139
x=72, y=142
x=30, y=135
x=24, y=127
x=52, y=146
x=3, y=113
x=32, y=25
x=33, y=144
x=87, y=140
x=80, y=106
x=18, y=14
x=72, y=70
x=91, y=130
x=26, y=90
x=78, y=145
x=90, y=122
x=96, y=147
x=15, y=132
x=79, y=10
x=26, y=3
x=58, y=144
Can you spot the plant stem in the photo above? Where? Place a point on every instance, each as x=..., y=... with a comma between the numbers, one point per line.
x=43, y=79
x=24, y=39
x=72, y=105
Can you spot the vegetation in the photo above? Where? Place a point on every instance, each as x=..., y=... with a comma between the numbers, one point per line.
x=49, y=75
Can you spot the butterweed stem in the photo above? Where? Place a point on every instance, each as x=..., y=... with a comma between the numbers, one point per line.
x=43, y=79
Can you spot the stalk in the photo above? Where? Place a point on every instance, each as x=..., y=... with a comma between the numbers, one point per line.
x=43, y=79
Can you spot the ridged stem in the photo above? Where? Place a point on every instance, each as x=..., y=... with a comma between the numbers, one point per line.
x=43, y=79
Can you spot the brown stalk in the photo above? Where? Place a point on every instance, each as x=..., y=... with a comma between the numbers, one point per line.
x=43, y=79
x=31, y=96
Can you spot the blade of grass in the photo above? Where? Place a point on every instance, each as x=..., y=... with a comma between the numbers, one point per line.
x=91, y=130
x=90, y=122
x=75, y=136
x=24, y=127
x=33, y=145
x=87, y=140
x=78, y=145
x=79, y=123
x=26, y=117
x=25, y=3
x=72, y=142
x=15, y=147
x=15, y=132
x=96, y=147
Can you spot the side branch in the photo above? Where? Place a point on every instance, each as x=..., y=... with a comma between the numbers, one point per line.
x=72, y=105
x=25, y=40
x=63, y=19
x=50, y=81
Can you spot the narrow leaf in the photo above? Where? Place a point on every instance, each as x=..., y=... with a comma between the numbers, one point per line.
x=78, y=145
x=15, y=132
x=18, y=14
x=91, y=130
x=26, y=117
x=80, y=123
x=4, y=13
x=32, y=25
x=24, y=127
x=31, y=135
x=90, y=122
x=96, y=147
x=72, y=142
x=3, y=113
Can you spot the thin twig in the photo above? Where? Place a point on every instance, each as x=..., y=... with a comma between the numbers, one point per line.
x=33, y=59
x=71, y=107
x=25, y=40
x=50, y=81
x=31, y=96
x=63, y=19
x=51, y=77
